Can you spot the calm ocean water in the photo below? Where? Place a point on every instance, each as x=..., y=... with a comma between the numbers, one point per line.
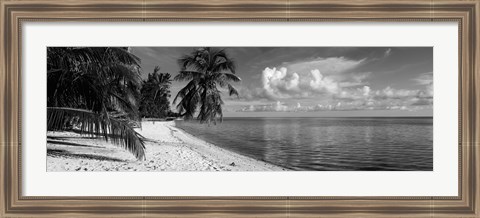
x=326, y=143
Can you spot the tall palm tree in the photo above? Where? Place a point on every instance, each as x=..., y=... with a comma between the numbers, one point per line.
x=155, y=93
x=95, y=89
x=206, y=69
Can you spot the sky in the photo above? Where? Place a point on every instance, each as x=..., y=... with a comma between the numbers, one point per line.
x=317, y=81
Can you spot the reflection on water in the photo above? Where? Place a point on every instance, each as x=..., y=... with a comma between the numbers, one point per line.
x=326, y=143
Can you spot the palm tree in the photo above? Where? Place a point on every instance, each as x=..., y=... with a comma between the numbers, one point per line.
x=155, y=93
x=205, y=69
x=95, y=89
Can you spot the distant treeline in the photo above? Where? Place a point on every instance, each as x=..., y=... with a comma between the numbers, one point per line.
x=155, y=94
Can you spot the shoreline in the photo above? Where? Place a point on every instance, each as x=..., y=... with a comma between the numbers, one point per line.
x=168, y=148
x=229, y=152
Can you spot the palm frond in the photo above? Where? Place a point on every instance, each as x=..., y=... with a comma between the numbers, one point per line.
x=122, y=72
x=224, y=64
x=95, y=124
x=185, y=75
x=206, y=68
x=156, y=70
x=125, y=105
x=191, y=101
x=232, y=77
x=184, y=91
x=232, y=90
x=188, y=105
x=223, y=79
x=117, y=54
x=187, y=61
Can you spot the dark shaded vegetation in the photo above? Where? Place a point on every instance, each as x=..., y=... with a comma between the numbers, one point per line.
x=99, y=92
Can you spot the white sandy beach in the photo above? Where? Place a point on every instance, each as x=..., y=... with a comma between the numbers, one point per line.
x=167, y=149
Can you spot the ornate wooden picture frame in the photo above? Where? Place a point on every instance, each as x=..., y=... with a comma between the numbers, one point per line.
x=15, y=12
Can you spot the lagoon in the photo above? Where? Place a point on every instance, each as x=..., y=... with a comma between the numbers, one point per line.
x=326, y=144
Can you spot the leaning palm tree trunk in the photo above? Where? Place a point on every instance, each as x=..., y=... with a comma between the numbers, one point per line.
x=95, y=124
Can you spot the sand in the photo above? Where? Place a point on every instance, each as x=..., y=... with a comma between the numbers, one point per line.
x=168, y=148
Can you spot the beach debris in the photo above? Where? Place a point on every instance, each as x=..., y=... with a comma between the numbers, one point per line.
x=232, y=164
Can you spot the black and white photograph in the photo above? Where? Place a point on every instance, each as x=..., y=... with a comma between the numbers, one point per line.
x=179, y=109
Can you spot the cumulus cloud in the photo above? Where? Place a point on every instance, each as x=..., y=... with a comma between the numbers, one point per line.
x=334, y=91
x=299, y=105
x=390, y=93
x=323, y=84
x=276, y=83
x=337, y=105
x=361, y=98
x=313, y=77
x=281, y=83
x=251, y=108
x=366, y=91
x=277, y=106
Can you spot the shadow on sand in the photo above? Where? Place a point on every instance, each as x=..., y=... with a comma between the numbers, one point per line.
x=66, y=154
x=57, y=142
x=71, y=137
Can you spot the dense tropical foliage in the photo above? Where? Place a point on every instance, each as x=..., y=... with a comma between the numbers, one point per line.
x=98, y=91
x=94, y=90
x=206, y=70
x=155, y=94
